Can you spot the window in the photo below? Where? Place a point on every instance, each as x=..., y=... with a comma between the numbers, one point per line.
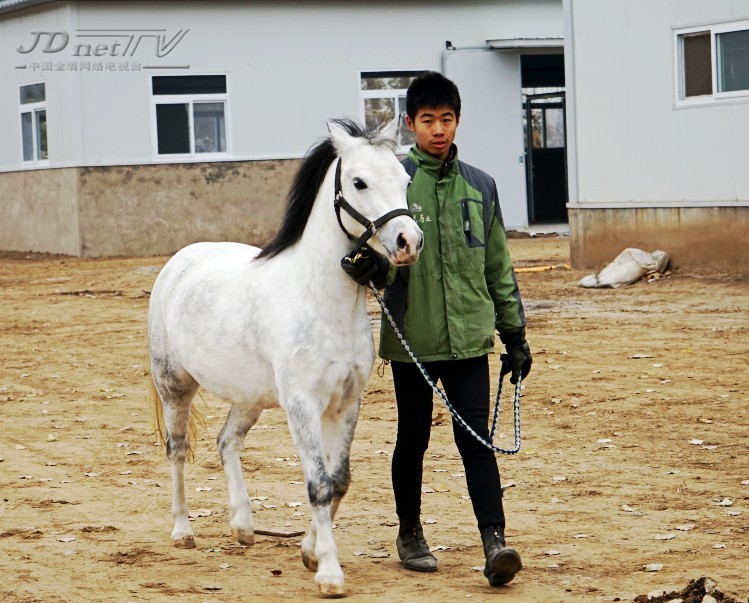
x=33, y=122
x=713, y=62
x=384, y=97
x=545, y=108
x=190, y=112
x=698, y=64
x=733, y=61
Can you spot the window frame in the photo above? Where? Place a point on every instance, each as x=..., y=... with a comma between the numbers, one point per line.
x=33, y=108
x=715, y=97
x=190, y=100
x=552, y=92
x=394, y=93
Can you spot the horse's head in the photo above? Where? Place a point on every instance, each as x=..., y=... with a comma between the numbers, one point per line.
x=371, y=181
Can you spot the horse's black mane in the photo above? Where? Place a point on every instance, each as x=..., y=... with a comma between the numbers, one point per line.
x=306, y=184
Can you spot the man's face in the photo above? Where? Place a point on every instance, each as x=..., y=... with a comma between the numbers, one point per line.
x=434, y=128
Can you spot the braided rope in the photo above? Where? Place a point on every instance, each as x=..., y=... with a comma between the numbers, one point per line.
x=516, y=401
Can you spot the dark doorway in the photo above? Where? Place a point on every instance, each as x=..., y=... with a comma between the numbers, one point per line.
x=545, y=137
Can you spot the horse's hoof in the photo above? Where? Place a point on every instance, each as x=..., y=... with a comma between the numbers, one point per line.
x=186, y=542
x=310, y=563
x=332, y=591
x=246, y=537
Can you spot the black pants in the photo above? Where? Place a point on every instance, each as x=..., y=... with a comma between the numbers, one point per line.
x=466, y=384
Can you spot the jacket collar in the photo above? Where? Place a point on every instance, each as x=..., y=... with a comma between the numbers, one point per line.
x=435, y=167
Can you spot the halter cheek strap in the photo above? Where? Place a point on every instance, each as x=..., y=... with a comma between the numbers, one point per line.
x=370, y=227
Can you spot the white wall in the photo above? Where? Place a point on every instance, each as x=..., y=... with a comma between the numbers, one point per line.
x=490, y=134
x=290, y=67
x=15, y=31
x=630, y=144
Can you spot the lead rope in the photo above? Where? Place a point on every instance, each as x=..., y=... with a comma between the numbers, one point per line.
x=516, y=402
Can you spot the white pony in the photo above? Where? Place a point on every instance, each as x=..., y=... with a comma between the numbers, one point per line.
x=284, y=326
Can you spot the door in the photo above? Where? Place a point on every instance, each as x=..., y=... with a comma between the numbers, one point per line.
x=546, y=158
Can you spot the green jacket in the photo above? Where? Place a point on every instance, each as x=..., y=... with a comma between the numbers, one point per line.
x=463, y=286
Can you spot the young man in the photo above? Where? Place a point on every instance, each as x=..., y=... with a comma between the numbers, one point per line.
x=447, y=306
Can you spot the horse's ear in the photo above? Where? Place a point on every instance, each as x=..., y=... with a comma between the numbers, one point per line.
x=340, y=137
x=392, y=129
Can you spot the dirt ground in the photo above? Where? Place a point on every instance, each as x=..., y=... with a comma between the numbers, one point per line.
x=634, y=421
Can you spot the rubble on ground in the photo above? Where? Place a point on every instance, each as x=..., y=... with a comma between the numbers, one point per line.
x=702, y=590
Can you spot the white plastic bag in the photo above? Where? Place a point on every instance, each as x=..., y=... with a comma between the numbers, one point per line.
x=628, y=267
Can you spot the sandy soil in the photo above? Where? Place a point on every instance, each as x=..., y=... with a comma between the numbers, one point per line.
x=635, y=423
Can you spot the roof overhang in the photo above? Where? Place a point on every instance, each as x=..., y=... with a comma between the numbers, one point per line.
x=527, y=44
x=7, y=6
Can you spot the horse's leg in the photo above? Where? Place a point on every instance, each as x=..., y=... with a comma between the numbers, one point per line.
x=337, y=432
x=176, y=390
x=337, y=435
x=230, y=443
x=319, y=550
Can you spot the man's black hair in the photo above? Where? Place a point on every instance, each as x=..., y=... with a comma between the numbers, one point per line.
x=432, y=89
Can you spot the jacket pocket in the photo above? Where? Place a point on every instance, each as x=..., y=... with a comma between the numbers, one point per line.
x=473, y=222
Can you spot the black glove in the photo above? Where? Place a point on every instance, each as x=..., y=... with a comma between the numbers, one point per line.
x=367, y=265
x=518, y=359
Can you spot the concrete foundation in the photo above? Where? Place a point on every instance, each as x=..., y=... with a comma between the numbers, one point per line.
x=699, y=239
x=39, y=211
x=142, y=210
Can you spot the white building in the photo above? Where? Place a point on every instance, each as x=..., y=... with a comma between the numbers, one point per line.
x=658, y=130
x=136, y=127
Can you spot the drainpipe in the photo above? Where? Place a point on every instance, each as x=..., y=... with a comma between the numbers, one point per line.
x=449, y=49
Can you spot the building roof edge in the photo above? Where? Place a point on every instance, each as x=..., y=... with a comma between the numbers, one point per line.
x=8, y=6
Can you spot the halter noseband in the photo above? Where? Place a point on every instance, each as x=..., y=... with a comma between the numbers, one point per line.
x=370, y=228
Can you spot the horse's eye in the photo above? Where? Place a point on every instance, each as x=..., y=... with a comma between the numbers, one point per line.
x=359, y=184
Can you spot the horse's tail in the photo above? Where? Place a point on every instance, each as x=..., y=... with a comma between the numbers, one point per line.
x=197, y=421
x=157, y=413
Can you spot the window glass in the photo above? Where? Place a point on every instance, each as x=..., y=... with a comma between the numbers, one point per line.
x=698, y=75
x=173, y=128
x=208, y=119
x=407, y=138
x=188, y=84
x=387, y=80
x=378, y=111
x=554, y=123
x=41, y=134
x=733, y=61
x=33, y=93
x=546, y=115
x=384, y=97
x=537, y=128
x=27, y=137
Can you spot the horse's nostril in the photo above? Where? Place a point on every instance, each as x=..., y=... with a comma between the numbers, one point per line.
x=401, y=242
x=421, y=242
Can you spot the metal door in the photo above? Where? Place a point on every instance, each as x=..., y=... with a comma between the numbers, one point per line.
x=546, y=158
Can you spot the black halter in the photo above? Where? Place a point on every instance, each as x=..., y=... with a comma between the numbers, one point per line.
x=371, y=228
